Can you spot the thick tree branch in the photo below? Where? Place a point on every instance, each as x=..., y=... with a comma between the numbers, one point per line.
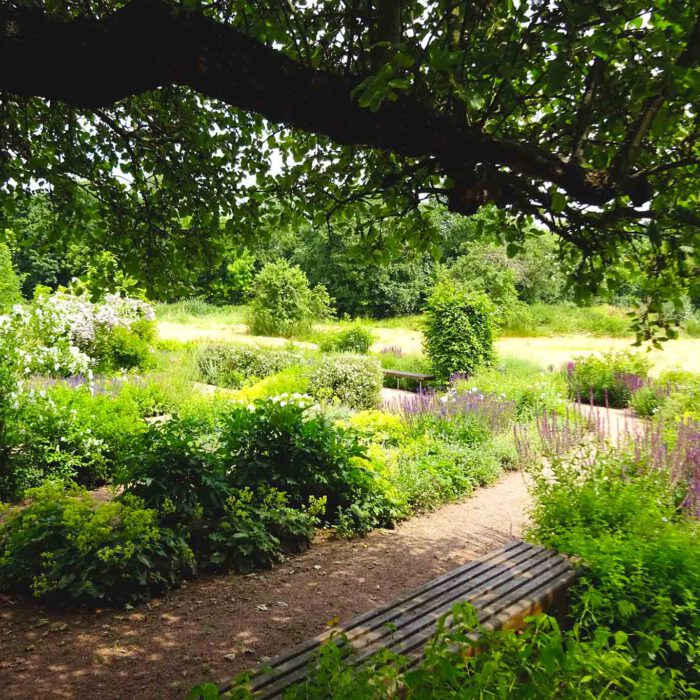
x=90, y=63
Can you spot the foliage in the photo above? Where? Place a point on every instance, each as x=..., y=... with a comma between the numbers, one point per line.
x=458, y=333
x=604, y=158
x=232, y=366
x=256, y=528
x=642, y=572
x=433, y=470
x=482, y=269
x=65, y=548
x=293, y=380
x=10, y=293
x=608, y=379
x=356, y=339
x=284, y=304
x=285, y=444
x=173, y=470
x=63, y=334
x=646, y=401
x=532, y=390
x=64, y=432
x=233, y=282
x=353, y=380
x=363, y=285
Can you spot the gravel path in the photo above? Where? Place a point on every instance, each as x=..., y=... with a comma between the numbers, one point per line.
x=214, y=627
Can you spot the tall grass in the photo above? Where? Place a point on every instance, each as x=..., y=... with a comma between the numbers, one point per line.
x=198, y=311
x=565, y=319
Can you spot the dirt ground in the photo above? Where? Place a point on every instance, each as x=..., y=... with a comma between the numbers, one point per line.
x=214, y=627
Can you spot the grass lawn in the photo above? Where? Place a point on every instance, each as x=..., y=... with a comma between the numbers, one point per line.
x=547, y=335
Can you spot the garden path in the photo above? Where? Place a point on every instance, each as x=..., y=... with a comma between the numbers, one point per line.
x=214, y=627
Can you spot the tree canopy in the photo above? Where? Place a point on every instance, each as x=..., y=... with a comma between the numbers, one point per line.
x=181, y=118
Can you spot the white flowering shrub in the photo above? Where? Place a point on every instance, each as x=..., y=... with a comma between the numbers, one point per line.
x=353, y=380
x=64, y=334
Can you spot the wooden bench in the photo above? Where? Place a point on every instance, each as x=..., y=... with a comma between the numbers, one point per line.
x=416, y=376
x=504, y=586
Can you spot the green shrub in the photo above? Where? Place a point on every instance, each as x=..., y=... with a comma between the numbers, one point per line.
x=642, y=569
x=232, y=366
x=609, y=379
x=256, y=528
x=65, y=548
x=353, y=380
x=458, y=333
x=646, y=401
x=356, y=339
x=282, y=443
x=283, y=303
x=485, y=269
x=293, y=380
x=125, y=348
x=66, y=433
x=10, y=287
x=173, y=470
x=434, y=471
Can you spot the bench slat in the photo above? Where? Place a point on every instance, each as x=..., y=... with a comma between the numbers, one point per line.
x=313, y=644
x=504, y=585
x=408, y=375
x=411, y=635
x=374, y=625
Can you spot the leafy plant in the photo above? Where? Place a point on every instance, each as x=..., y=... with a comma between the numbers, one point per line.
x=283, y=443
x=284, y=304
x=233, y=365
x=356, y=339
x=66, y=433
x=353, y=380
x=66, y=548
x=173, y=470
x=458, y=332
x=10, y=288
x=609, y=379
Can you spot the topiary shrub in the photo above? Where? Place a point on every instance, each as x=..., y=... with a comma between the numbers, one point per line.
x=355, y=339
x=354, y=380
x=283, y=302
x=232, y=366
x=458, y=335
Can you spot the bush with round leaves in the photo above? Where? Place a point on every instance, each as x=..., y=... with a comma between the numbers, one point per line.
x=458, y=330
x=353, y=380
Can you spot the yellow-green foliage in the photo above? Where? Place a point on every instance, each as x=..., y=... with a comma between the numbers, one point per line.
x=294, y=380
x=379, y=426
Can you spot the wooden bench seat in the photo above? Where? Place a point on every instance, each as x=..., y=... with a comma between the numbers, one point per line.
x=416, y=376
x=504, y=586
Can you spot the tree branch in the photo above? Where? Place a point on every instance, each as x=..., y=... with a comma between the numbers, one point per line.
x=632, y=144
x=90, y=63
